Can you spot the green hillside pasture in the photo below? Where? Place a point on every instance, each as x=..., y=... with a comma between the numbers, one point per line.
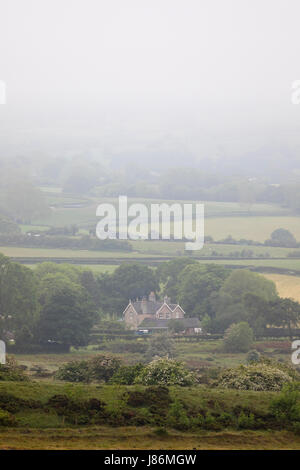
x=60, y=217
x=257, y=228
x=145, y=248
x=14, y=251
x=86, y=215
x=212, y=208
x=96, y=268
x=285, y=263
x=28, y=228
x=171, y=248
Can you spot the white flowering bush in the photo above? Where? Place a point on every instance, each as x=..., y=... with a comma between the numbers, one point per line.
x=164, y=371
x=258, y=377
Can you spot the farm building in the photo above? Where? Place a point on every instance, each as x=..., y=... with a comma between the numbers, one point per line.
x=152, y=314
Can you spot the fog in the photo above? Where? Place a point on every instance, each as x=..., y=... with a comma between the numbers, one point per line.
x=163, y=81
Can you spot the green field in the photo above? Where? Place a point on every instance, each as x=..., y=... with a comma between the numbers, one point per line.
x=86, y=215
x=288, y=263
x=172, y=248
x=13, y=251
x=96, y=268
x=144, y=248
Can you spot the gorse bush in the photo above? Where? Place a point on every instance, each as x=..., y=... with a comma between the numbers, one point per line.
x=246, y=421
x=165, y=371
x=126, y=375
x=177, y=416
x=75, y=371
x=258, y=376
x=99, y=368
x=102, y=367
x=11, y=371
x=286, y=407
x=6, y=419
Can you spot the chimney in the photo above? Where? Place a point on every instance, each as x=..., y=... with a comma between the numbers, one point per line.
x=144, y=304
x=167, y=299
x=152, y=297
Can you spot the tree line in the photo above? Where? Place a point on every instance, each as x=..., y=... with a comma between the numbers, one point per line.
x=56, y=305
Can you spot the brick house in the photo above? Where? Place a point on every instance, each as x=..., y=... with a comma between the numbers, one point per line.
x=150, y=313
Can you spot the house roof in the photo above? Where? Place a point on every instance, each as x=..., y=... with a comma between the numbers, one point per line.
x=150, y=306
x=149, y=323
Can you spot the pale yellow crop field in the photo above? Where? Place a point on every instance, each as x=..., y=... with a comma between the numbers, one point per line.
x=251, y=228
x=287, y=286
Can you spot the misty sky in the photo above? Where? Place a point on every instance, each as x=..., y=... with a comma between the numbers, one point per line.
x=208, y=78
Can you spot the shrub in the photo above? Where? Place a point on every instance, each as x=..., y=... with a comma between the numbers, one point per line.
x=78, y=411
x=126, y=375
x=226, y=419
x=14, y=404
x=165, y=372
x=211, y=422
x=246, y=421
x=153, y=402
x=6, y=419
x=103, y=367
x=75, y=371
x=284, y=366
x=11, y=371
x=286, y=407
x=258, y=376
x=177, y=417
x=99, y=368
x=238, y=337
x=154, y=396
x=62, y=404
x=253, y=356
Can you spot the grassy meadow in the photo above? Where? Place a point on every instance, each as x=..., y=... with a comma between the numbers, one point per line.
x=45, y=429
